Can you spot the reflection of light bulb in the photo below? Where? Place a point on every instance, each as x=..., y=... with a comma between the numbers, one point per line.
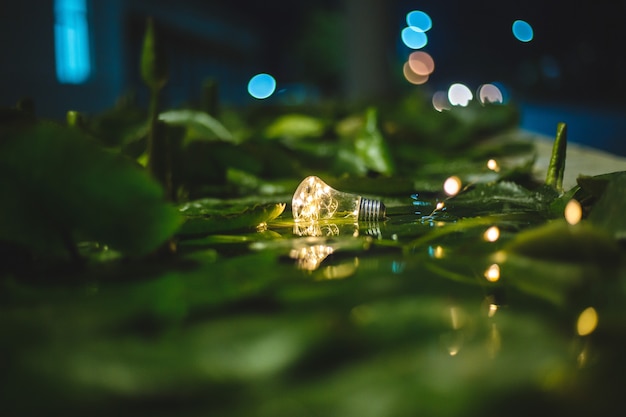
x=314, y=200
x=309, y=258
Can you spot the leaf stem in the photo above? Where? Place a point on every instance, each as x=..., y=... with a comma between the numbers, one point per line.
x=556, y=169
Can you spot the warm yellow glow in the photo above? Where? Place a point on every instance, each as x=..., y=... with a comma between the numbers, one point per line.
x=438, y=252
x=457, y=317
x=340, y=271
x=492, y=274
x=573, y=212
x=493, y=308
x=493, y=165
x=453, y=350
x=587, y=321
x=309, y=258
x=316, y=229
x=452, y=185
x=492, y=234
x=439, y=205
x=499, y=257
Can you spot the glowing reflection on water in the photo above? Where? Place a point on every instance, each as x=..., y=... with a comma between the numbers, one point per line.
x=310, y=257
x=492, y=273
x=587, y=321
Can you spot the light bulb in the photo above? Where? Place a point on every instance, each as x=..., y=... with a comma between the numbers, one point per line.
x=314, y=200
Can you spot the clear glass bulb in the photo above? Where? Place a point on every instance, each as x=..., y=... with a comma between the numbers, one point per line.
x=315, y=200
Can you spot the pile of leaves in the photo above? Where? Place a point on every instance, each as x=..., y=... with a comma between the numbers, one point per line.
x=150, y=265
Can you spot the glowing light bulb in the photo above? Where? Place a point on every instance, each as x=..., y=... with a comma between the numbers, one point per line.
x=314, y=200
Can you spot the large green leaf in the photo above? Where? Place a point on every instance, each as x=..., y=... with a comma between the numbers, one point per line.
x=205, y=217
x=371, y=147
x=58, y=186
x=200, y=125
x=608, y=212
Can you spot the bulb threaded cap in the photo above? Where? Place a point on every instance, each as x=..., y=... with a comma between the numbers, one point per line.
x=371, y=210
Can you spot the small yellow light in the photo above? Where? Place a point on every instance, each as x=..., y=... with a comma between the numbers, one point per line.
x=492, y=274
x=573, y=212
x=587, y=321
x=493, y=308
x=452, y=185
x=439, y=205
x=493, y=165
x=438, y=252
x=492, y=234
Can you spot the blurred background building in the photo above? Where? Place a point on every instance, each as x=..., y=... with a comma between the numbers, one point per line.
x=84, y=54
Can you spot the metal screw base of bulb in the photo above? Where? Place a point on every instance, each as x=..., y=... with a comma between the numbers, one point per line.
x=371, y=210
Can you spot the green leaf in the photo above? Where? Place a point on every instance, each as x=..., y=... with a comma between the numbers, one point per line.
x=371, y=147
x=200, y=125
x=563, y=242
x=295, y=126
x=205, y=217
x=500, y=197
x=57, y=186
x=608, y=213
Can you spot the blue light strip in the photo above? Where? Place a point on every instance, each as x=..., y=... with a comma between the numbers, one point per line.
x=71, y=39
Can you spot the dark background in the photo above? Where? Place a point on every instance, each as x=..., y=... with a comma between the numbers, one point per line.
x=574, y=69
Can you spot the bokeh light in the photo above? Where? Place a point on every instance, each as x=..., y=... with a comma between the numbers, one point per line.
x=412, y=77
x=490, y=93
x=573, y=212
x=435, y=252
x=522, y=31
x=421, y=63
x=493, y=165
x=419, y=19
x=492, y=274
x=414, y=38
x=440, y=101
x=459, y=95
x=452, y=185
x=261, y=86
x=492, y=234
x=587, y=321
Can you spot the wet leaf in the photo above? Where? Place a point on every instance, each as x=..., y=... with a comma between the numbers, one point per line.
x=558, y=240
x=205, y=217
